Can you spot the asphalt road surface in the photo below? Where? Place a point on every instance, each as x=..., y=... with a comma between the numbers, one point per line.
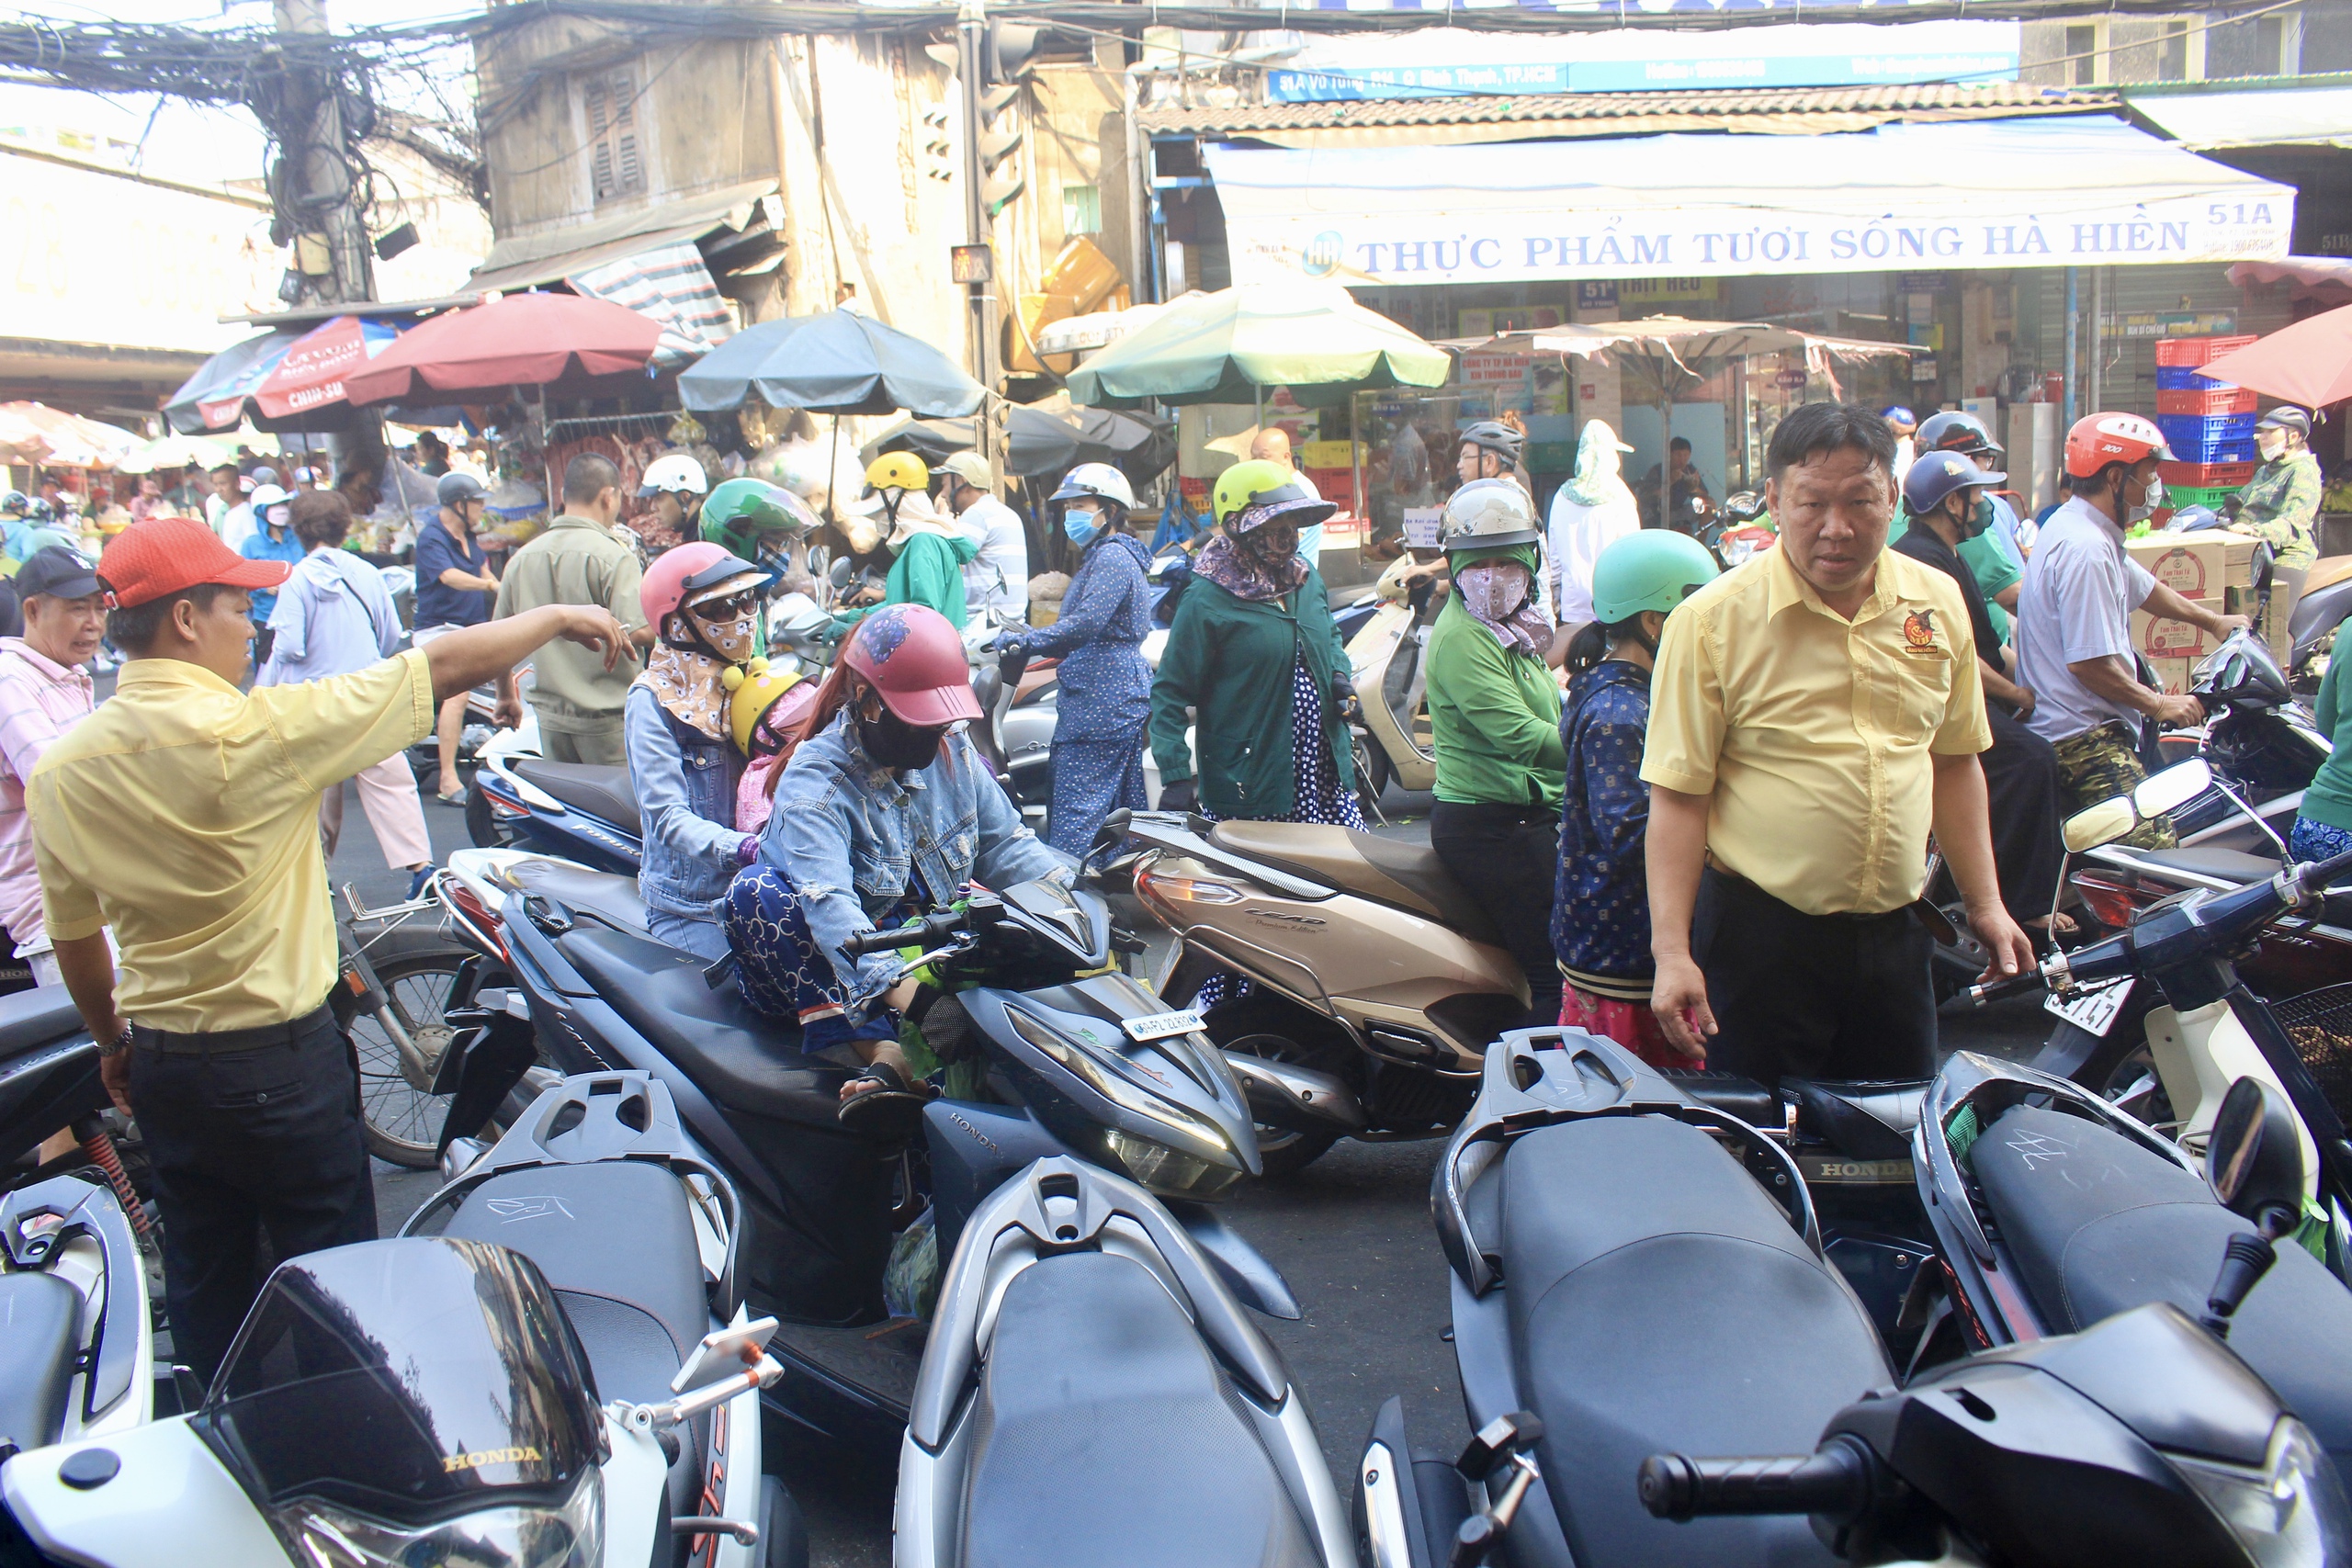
x=1351, y=1234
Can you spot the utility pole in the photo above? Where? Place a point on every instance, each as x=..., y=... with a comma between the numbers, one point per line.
x=977, y=261
x=312, y=175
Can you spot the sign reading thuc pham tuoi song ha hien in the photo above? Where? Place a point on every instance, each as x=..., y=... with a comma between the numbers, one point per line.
x=2083, y=191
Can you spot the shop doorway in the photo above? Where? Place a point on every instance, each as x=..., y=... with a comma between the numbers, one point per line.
x=1701, y=424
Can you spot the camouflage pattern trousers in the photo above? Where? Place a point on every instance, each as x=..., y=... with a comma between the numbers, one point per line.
x=2099, y=764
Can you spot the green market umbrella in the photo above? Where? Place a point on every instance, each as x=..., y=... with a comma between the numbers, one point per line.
x=1223, y=347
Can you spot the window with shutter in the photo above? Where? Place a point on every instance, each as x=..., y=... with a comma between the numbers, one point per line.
x=616, y=159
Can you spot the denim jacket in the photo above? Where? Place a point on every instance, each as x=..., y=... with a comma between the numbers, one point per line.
x=854, y=839
x=686, y=798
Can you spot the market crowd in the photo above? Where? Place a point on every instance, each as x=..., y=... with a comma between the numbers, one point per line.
x=1698, y=803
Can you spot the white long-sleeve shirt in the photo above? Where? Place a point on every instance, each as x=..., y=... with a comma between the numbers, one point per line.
x=1578, y=533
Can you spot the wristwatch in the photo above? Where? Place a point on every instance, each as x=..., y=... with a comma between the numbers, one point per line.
x=117, y=1045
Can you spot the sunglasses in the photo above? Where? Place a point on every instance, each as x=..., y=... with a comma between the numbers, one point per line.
x=734, y=607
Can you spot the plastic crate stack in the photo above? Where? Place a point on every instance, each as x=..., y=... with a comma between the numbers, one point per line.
x=2209, y=424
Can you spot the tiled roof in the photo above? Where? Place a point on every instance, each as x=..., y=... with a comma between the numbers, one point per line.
x=1597, y=114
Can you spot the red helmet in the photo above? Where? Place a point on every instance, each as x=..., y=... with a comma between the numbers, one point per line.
x=2098, y=439
x=678, y=575
x=916, y=661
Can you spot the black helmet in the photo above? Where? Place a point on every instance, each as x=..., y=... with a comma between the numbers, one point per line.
x=1956, y=430
x=1493, y=435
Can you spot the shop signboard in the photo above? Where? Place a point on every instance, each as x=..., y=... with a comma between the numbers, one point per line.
x=1668, y=291
x=1433, y=64
x=2037, y=192
x=1422, y=524
x=1493, y=369
x=1596, y=296
x=2173, y=324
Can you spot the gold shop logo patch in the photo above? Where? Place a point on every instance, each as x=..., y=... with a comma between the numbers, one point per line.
x=1919, y=634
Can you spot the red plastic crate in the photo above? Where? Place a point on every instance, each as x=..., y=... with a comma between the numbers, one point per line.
x=2197, y=350
x=2217, y=400
x=2205, y=476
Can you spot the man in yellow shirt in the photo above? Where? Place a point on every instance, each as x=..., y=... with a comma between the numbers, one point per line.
x=184, y=814
x=1815, y=713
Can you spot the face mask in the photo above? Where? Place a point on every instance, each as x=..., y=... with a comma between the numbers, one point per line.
x=894, y=743
x=734, y=639
x=2155, y=496
x=276, y=516
x=1492, y=590
x=1082, y=524
x=2271, y=444
x=1979, y=518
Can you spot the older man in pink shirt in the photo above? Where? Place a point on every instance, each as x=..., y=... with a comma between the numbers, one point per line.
x=43, y=693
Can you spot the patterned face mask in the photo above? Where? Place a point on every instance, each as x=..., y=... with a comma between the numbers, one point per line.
x=734, y=636
x=1492, y=590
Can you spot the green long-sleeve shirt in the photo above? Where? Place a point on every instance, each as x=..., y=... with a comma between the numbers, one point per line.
x=1230, y=660
x=928, y=571
x=1493, y=717
x=2280, y=504
x=2329, y=798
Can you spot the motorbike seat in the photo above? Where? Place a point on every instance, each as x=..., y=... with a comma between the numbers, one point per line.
x=2099, y=1225
x=1409, y=876
x=1105, y=1433
x=599, y=791
x=616, y=1241
x=2203, y=859
x=40, y=1319
x=1866, y=1120
x=30, y=1019
x=1602, y=1220
x=743, y=1060
x=610, y=898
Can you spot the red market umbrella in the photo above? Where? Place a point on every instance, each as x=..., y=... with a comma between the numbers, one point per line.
x=2309, y=363
x=522, y=339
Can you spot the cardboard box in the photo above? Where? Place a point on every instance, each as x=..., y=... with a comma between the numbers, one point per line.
x=2173, y=674
x=2163, y=641
x=2203, y=565
x=1327, y=454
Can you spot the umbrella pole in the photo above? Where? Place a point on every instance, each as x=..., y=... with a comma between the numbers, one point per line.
x=1665, y=452
x=832, y=467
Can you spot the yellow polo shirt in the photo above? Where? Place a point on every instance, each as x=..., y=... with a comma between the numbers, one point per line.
x=1814, y=737
x=184, y=814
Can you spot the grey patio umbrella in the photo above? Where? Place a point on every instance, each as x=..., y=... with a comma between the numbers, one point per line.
x=840, y=362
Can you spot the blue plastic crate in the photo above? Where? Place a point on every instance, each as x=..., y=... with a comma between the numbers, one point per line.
x=2180, y=427
x=2186, y=379
x=2214, y=446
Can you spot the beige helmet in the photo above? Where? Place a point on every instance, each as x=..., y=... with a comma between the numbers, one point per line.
x=1486, y=514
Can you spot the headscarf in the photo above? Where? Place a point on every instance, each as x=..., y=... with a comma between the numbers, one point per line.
x=1244, y=576
x=689, y=683
x=1518, y=624
x=1598, y=480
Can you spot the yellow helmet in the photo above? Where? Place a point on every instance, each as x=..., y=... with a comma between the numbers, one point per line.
x=755, y=688
x=898, y=471
x=1259, y=483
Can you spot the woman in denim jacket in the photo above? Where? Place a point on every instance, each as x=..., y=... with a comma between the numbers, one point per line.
x=882, y=811
x=705, y=605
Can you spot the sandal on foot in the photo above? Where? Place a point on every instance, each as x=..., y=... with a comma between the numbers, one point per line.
x=890, y=1113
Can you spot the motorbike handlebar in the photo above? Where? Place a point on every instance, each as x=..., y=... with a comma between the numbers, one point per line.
x=1834, y=1478
x=923, y=932
x=2016, y=985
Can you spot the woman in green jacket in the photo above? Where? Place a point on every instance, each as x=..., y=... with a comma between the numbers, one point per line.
x=1495, y=720
x=1254, y=653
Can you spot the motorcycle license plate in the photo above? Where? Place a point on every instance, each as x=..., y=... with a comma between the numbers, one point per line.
x=1161, y=1025
x=2091, y=1008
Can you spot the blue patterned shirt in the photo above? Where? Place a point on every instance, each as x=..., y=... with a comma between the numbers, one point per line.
x=1106, y=684
x=1600, y=911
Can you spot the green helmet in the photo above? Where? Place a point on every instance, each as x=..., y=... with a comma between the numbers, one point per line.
x=1653, y=570
x=1255, y=493
x=738, y=512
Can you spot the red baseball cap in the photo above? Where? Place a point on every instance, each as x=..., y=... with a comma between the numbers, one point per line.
x=164, y=555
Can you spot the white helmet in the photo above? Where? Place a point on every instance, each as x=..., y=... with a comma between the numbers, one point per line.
x=1488, y=513
x=1097, y=479
x=674, y=472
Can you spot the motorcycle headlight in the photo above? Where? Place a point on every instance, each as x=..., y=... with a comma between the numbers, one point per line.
x=2288, y=1514
x=569, y=1534
x=1113, y=1085
x=1169, y=1172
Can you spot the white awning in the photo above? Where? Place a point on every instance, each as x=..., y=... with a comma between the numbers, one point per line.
x=2272, y=117
x=2040, y=192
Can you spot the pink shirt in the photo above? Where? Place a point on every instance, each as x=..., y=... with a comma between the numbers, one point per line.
x=751, y=802
x=39, y=700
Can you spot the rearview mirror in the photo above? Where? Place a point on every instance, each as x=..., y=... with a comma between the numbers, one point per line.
x=2171, y=789
x=2255, y=1158
x=2102, y=824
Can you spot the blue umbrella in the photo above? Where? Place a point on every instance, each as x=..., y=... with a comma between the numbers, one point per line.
x=840, y=362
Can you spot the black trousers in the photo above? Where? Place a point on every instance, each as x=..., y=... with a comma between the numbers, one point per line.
x=250, y=1130
x=2021, y=792
x=1508, y=858
x=1812, y=996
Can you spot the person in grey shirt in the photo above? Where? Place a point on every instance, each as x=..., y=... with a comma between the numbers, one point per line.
x=2074, y=630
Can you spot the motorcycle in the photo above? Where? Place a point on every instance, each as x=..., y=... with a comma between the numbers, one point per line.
x=1092, y=1392
x=1375, y=983
x=1738, y=530
x=432, y=1398
x=2191, y=1025
x=1050, y=1051
x=73, y=1291
x=1386, y=661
